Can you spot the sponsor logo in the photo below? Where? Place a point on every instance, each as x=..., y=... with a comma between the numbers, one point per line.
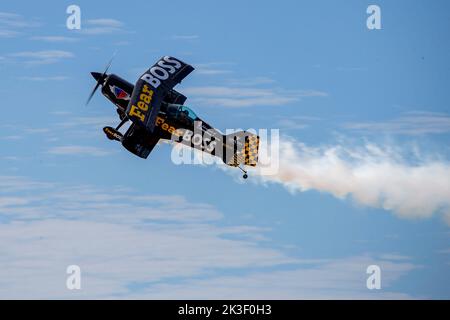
x=145, y=98
x=161, y=122
x=119, y=93
x=112, y=134
x=161, y=71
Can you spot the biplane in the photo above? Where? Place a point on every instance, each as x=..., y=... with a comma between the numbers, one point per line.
x=157, y=111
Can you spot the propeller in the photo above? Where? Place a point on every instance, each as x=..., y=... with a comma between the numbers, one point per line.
x=100, y=77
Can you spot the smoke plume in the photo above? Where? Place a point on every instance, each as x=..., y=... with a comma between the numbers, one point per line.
x=410, y=187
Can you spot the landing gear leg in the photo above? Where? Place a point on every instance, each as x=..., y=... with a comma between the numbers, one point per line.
x=114, y=134
x=245, y=176
x=121, y=123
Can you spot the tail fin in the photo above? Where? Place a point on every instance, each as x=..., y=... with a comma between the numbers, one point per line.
x=241, y=148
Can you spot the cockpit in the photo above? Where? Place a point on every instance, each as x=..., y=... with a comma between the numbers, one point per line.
x=188, y=112
x=181, y=113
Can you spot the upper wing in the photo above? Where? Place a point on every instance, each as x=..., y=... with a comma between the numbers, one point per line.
x=175, y=97
x=152, y=87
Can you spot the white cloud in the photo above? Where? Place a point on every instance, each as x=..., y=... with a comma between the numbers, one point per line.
x=246, y=102
x=102, y=26
x=78, y=150
x=213, y=91
x=250, y=81
x=11, y=137
x=55, y=39
x=87, y=121
x=49, y=78
x=295, y=122
x=246, y=97
x=312, y=93
x=34, y=130
x=10, y=158
x=13, y=25
x=10, y=184
x=106, y=22
x=43, y=56
x=329, y=279
x=370, y=175
x=8, y=33
x=213, y=68
x=122, y=239
x=412, y=123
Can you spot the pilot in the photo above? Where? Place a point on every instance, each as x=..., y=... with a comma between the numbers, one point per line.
x=184, y=117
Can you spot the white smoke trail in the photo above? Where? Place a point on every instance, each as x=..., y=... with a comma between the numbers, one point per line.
x=370, y=175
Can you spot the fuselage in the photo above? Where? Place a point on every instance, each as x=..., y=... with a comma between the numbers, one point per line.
x=173, y=122
x=168, y=117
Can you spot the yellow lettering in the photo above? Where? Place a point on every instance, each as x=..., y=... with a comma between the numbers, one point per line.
x=146, y=89
x=141, y=105
x=159, y=120
x=146, y=98
x=134, y=112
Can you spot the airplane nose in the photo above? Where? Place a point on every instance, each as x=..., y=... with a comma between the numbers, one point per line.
x=96, y=75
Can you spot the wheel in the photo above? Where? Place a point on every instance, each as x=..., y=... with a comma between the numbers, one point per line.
x=245, y=176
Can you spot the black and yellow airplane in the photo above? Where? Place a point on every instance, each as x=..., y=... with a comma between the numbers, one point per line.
x=156, y=111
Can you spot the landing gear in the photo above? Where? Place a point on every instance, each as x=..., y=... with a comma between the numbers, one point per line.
x=114, y=134
x=245, y=176
x=124, y=120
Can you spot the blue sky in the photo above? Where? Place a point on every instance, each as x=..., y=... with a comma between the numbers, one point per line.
x=364, y=161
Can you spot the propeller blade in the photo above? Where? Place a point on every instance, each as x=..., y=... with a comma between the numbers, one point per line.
x=93, y=92
x=100, y=78
x=109, y=63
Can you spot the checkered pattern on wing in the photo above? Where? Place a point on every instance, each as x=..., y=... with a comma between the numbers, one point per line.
x=235, y=160
x=251, y=150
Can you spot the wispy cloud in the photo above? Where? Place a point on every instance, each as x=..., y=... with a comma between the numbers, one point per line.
x=55, y=39
x=12, y=25
x=247, y=97
x=11, y=137
x=105, y=22
x=411, y=123
x=78, y=150
x=49, y=78
x=36, y=130
x=85, y=121
x=10, y=184
x=186, y=37
x=328, y=279
x=295, y=122
x=132, y=245
x=5, y=33
x=43, y=56
x=112, y=204
x=213, y=68
x=254, y=81
x=102, y=26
